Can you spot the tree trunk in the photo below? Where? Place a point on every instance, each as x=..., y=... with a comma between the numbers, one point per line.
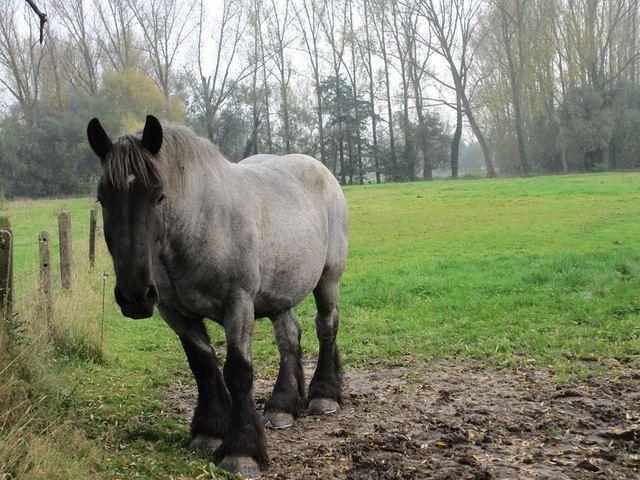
x=491, y=172
x=392, y=141
x=343, y=173
x=285, y=115
x=265, y=86
x=514, y=80
x=455, y=142
x=427, y=166
x=374, y=130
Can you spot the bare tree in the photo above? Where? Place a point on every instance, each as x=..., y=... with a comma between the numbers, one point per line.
x=378, y=18
x=117, y=40
x=353, y=72
x=42, y=18
x=20, y=58
x=453, y=24
x=211, y=89
x=81, y=58
x=368, y=48
x=401, y=53
x=278, y=28
x=165, y=26
x=308, y=15
x=251, y=148
x=265, y=84
x=512, y=25
x=417, y=66
x=334, y=26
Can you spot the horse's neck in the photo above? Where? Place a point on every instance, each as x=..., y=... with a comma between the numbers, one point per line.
x=203, y=198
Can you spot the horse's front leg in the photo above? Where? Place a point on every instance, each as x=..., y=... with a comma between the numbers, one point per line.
x=244, y=448
x=211, y=415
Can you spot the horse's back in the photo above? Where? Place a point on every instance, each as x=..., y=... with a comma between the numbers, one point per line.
x=295, y=172
x=310, y=172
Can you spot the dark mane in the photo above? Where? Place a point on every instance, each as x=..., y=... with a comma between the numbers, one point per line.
x=181, y=152
x=126, y=158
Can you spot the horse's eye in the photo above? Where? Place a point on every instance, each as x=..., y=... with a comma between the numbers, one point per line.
x=161, y=199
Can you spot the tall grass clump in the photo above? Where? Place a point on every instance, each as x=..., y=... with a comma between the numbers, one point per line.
x=37, y=440
x=38, y=437
x=77, y=319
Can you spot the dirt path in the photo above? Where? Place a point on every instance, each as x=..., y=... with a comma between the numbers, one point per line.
x=455, y=421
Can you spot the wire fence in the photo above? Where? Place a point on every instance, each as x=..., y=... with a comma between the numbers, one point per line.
x=42, y=273
x=29, y=270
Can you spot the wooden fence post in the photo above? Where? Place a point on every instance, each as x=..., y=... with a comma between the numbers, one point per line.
x=66, y=256
x=45, y=276
x=93, y=222
x=6, y=275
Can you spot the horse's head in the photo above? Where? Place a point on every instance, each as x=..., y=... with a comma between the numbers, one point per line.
x=131, y=192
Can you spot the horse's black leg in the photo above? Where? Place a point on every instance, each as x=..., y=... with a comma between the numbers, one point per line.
x=244, y=447
x=325, y=389
x=212, y=411
x=213, y=408
x=287, y=399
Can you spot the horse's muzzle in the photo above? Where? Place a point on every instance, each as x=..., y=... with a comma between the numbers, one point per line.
x=137, y=304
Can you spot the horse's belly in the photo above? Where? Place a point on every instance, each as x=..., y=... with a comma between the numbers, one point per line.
x=289, y=281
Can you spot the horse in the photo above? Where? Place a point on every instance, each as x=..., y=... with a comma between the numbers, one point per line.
x=200, y=237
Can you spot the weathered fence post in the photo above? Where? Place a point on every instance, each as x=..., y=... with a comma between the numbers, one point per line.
x=93, y=222
x=45, y=276
x=66, y=256
x=6, y=275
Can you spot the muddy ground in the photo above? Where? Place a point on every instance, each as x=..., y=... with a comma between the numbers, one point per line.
x=459, y=421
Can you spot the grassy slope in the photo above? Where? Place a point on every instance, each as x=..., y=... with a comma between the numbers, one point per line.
x=543, y=270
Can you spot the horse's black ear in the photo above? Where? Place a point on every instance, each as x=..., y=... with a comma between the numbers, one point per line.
x=98, y=139
x=152, y=135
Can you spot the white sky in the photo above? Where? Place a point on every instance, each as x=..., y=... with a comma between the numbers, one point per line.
x=301, y=79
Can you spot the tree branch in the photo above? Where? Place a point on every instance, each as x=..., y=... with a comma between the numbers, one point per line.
x=41, y=15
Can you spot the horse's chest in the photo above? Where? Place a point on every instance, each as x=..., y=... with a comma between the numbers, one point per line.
x=193, y=290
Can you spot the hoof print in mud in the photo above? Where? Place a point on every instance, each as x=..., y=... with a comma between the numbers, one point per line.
x=246, y=467
x=277, y=420
x=322, y=406
x=204, y=442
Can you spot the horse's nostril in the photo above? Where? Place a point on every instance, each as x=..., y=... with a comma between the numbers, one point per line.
x=120, y=296
x=152, y=294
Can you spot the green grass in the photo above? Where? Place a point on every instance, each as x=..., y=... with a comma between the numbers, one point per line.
x=542, y=271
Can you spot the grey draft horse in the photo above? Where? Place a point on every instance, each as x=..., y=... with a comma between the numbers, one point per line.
x=202, y=237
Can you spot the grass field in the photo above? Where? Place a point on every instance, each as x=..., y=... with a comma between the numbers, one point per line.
x=542, y=271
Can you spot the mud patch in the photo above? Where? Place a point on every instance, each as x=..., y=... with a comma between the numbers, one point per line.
x=455, y=421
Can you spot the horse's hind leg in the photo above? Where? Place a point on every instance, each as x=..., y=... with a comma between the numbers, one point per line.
x=325, y=389
x=287, y=399
x=212, y=411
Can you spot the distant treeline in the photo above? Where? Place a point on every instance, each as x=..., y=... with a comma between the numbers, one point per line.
x=542, y=85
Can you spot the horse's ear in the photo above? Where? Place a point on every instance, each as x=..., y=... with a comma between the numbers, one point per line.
x=98, y=139
x=152, y=135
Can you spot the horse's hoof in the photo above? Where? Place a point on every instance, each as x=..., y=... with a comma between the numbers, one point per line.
x=277, y=420
x=245, y=466
x=322, y=406
x=204, y=442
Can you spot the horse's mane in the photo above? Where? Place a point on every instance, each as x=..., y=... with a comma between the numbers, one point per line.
x=181, y=152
